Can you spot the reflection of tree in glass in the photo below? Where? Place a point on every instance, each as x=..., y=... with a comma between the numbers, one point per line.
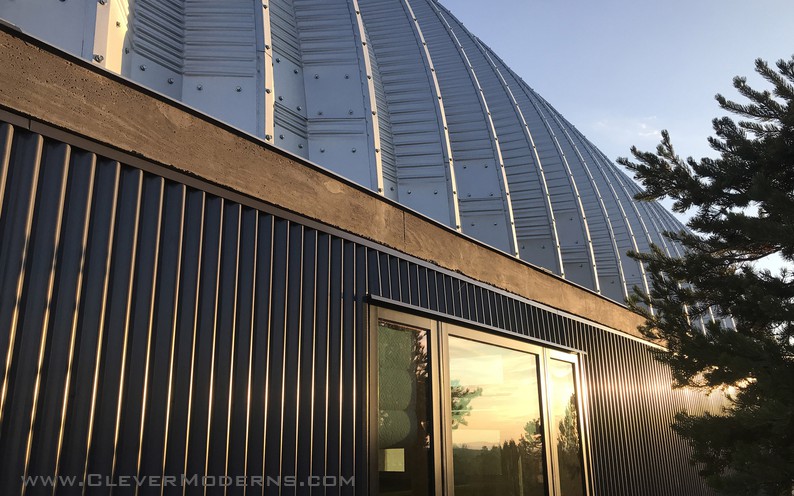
x=569, y=451
x=419, y=367
x=403, y=399
x=461, y=399
x=516, y=468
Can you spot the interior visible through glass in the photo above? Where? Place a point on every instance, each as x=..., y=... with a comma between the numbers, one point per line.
x=497, y=432
x=404, y=458
x=565, y=427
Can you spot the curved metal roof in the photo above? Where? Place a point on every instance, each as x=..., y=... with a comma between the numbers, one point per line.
x=394, y=94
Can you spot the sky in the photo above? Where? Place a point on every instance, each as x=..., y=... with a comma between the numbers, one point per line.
x=623, y=70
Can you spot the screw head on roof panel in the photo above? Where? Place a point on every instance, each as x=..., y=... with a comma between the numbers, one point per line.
x=98, y=58
x=238, y=89
x=142, y=67
x=170, y=80
x=199, y=87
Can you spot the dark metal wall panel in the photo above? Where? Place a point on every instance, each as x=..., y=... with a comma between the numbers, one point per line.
x=151, y=328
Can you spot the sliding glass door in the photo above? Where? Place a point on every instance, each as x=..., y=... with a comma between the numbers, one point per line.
x=465, y=412
x=494, y=421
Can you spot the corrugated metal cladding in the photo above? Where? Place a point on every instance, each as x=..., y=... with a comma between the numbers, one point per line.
x=152, y=328
x=396, y=95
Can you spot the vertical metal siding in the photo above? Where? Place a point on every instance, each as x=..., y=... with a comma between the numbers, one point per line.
x=156, y=329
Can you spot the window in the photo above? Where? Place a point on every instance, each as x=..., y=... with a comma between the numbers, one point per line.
x=462, y=412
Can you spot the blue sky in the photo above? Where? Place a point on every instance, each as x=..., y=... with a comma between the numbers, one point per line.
x=623, y=70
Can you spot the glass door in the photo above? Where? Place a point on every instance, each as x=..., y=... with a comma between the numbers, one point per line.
x=494, y=421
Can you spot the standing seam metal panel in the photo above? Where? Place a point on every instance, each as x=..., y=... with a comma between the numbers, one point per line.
x=483, y=194
x=575, y=243
x=422, y=150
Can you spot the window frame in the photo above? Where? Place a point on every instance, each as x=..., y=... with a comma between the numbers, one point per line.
x=438, y=332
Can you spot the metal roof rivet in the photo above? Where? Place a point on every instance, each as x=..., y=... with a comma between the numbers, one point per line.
x=322, y=150
x=99, y=58
x=281, y=136
x=278, y=60
x=264, y=5
x=495, y=223
x=268, y=137
x=320, y=112
x=280, y=98
x=491, y=194
x=267, y=47
x=238, y=89
x=299, y=108
x=347, y=76
x=267, y=90
x=294, y=71
x=369, y=76
x=409, y=191
x=454, y=192
x=300, y=146
x=353, y=150
x=472, y=224
x=118, y=24
x=142, y=67
x=468, y=196
x=377, y=150
x=364, y=43
x=358, y=12
x=374, y=113
x=170, y=80
x=350, y=112
x=435, y=192
x=103, y=2
x=126, y=50
x=199, y=87
x=457, y=226
x=316, y=76
x=432, y=69
x=391, y=188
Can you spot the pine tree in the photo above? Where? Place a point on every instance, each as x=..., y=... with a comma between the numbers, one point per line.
x=743, y=205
